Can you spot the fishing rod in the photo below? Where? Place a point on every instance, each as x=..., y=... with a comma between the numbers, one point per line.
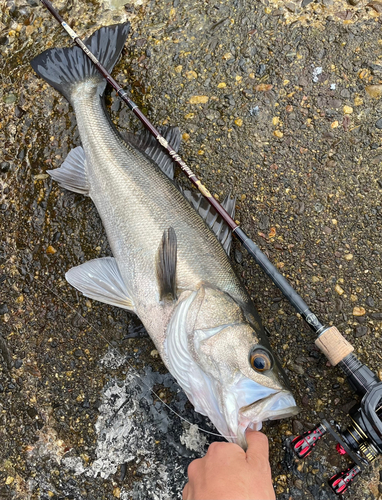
x=260, y=258
x=362, y=440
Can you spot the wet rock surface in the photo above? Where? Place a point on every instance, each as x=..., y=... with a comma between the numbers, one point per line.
x=274, y=103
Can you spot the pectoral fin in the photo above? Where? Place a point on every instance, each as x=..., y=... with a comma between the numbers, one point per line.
x=72, y=173
x=166, y=265
x=101, y=280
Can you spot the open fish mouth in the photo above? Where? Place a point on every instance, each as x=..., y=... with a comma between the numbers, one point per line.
x=278, y=405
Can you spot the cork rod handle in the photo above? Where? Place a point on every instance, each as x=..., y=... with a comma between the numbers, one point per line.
x=334, y=345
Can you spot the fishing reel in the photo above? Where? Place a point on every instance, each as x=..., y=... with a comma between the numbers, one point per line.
x=362, y=439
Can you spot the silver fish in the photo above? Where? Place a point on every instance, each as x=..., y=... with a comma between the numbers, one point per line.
x=168, y=266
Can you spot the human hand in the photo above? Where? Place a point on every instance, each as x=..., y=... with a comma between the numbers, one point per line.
x=227, y=472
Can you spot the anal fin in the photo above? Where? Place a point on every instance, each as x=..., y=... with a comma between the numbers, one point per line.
x=72, y=173
x=100, y=279
x=166, y=265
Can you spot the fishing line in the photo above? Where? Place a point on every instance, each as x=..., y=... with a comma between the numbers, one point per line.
x=116, y=350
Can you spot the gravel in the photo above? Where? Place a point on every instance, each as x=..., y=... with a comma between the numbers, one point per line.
x=307, y=175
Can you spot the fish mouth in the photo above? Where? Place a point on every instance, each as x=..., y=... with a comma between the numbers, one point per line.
x=274, y=407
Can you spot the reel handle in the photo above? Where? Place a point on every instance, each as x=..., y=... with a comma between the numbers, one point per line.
x=303, y=445
x=340, y=482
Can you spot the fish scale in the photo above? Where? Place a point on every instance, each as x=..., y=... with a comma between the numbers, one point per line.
x=130, y=178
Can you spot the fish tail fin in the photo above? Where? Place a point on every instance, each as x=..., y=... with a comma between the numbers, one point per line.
x=65, y=68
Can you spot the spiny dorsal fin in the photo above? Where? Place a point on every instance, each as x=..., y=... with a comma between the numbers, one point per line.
x=166, y=265
x=211, y=217
x=147, y=144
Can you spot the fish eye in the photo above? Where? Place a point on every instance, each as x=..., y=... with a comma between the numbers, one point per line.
x=260, y=360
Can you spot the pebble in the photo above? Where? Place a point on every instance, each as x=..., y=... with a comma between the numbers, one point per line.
x=360, y=319
x=378, y=123
x=3, y=309
x=297, y=427
x=339, y=290
x=4, y=166
x=296, y=369
x=291, y=6
x=348, y=110
x=154, y=353
x=370, y=301
x=299, y=484
x=359, y=311
x=191, y=75
x=374, y=90
x=10, y=98
x=198, y=99
x=239, y=122
x=263, y=87
x=349, y=256
x=377, y=316
x=261, y=69
x=19, y=112
x=377, y=6
x=18, y=363
x=361, y=331
x=264, y=223
x=279, y=489
x=50, y=250
x=238, y=256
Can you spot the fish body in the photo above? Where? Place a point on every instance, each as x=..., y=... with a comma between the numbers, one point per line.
x=168, y=267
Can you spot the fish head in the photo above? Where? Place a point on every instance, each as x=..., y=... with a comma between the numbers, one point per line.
x=247, y=380
x=234, y=377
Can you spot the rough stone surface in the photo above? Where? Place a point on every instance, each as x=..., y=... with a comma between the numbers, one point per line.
x=308, y=183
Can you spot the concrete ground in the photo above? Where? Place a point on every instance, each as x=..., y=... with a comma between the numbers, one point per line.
x=279, y=103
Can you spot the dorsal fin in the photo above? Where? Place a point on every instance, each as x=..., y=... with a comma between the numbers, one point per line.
x=166, y=265
x=145, y=142
x=211, y=217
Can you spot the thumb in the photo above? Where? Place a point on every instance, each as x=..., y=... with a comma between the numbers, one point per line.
x=258, y=448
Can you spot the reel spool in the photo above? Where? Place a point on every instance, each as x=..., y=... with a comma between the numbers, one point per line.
x=362, y=439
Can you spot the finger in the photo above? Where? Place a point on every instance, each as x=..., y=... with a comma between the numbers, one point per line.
x=186, y=491
x=258, y=448
x=192, y=470
x=220, y=448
